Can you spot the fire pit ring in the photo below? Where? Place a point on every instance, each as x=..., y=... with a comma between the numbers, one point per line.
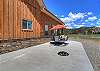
x=63, y=53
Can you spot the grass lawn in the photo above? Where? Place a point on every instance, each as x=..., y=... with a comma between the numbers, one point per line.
x=91, y=36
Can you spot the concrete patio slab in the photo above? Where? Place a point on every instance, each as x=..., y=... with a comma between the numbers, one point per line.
x=44, y=58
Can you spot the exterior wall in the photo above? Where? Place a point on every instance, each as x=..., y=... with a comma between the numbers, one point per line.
x=47, y=20
x=1, y=17
x=11, y=14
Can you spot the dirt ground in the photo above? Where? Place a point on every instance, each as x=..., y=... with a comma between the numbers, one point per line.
x=92, y=48
x=13, y=46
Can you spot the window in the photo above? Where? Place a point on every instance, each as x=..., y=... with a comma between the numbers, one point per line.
x=27, y=24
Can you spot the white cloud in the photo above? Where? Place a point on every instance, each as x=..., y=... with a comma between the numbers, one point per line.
x=86, y=20
x=83, y=23
x=91, y=24
x=76, y=16
x=99, y=19
x=73, y=17
x=56, y=15
x=83, y=18
x=68, y=24
x=66, y=19
x=85, y=15
x=78, y=26
x=70, y=27
x=97, y=26
x=98, y=22
x=92, y=18
x=62, y=15
x=89, y=13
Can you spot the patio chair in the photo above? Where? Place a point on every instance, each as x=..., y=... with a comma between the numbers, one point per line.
x=66, y=38
x=58, y=41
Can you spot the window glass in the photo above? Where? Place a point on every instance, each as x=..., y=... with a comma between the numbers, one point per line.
x=26, y=24
x=29, y=24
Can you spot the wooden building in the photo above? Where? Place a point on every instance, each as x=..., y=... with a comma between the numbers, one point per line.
x=21, y=19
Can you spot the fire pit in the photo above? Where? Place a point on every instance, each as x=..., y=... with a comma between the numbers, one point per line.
x=63, y=53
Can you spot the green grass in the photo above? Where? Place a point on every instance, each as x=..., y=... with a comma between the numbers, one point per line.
x=93, y=36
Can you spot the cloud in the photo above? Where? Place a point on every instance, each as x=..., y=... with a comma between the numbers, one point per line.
x=86, y=21
x=98, y=22
x=89, y=13
x=77, y=20
x=66, y=19
x=76, y=16
x=72, y=17
x=92, y=18
x=83, y=23
x=85, y=15
x=56, y=15
x=62, y=15
x=92, y=24
x=78, y=26
x=68, y=24
x=70, y=27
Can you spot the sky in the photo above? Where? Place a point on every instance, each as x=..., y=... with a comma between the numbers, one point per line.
x=76, y=13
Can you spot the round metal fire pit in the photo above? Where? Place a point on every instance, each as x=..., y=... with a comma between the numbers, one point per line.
x=63, y=53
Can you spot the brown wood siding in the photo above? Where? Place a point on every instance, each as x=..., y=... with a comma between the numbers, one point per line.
x=46, y=19
x=12, y=12
x=1, y=19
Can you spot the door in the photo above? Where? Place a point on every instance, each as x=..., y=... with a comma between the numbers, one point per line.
x=46, y=29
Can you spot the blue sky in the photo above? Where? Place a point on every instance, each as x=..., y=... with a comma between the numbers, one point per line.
x=76, y=13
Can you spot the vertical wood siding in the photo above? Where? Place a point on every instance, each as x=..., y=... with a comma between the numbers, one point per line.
x=12, y=12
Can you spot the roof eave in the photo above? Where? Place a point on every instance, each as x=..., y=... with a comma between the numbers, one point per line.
x=52, y=15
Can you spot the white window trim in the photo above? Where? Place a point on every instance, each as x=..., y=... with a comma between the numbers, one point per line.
x=27, y=26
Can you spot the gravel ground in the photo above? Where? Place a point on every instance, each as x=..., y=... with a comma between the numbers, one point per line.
x=13, y=46
x=92, y=48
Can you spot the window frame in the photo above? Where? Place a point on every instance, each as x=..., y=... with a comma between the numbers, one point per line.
x=27, y=25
